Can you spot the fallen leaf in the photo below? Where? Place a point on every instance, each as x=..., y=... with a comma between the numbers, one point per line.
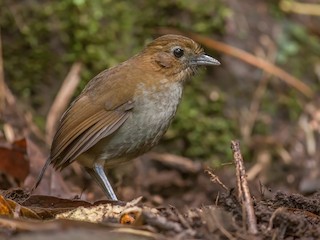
x=13, y=160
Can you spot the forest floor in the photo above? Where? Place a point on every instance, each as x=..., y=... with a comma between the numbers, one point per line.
x=179, y=199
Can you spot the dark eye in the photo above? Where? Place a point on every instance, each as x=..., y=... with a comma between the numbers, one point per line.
x=178, y=52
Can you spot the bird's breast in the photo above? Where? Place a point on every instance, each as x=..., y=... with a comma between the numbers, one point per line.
x=153, y=110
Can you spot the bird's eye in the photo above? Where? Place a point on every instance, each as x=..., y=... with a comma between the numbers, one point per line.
x=178, y=52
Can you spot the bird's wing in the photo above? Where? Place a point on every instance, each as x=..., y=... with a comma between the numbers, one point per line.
x=84, y=124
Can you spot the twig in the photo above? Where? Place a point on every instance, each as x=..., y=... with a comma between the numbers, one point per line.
x=181, y=163
x=300, y=8
x=217, y=199
x=263, y=160
x=257, y=62
x=222, y=228
x=160, y=222
x=243, y=188
x=217, y=218
x=182, y=219
x=310, y=135
x=214, y=178
x=254, y=107
x=248, y=58
x=273, y=216
x=62, y=99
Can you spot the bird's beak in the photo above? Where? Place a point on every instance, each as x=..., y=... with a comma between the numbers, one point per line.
x=204, y=60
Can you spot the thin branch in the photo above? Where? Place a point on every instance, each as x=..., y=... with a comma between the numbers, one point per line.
x=248, y=58
x=222, y=229
x=273, y=216
x=214, y=178
x=254, y=108
x=243, y=188
x=300, y=8
x=62, y=99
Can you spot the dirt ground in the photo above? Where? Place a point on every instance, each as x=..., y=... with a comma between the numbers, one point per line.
x=182, y=199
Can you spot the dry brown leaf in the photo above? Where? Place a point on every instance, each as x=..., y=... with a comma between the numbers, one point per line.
x=11, y=208
x=13, y=161
x=5, y=208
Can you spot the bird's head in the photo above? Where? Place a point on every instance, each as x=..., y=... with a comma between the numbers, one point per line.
x=177, y=57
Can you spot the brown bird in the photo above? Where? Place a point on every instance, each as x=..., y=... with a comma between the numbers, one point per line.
x=125, y=110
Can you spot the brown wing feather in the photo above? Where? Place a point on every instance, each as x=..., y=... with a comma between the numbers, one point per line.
x=70, y=128
x=101, y=129
x=83, y=125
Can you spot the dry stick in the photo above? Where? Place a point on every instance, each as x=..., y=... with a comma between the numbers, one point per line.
x=258, y=62
x=300, y=8
x=273, y=216
x=248, y=58
x=62, y=99
x=181, y=163
x=243, y=188
x=258, y=94
x=221, y=228
x=214, y=178
x=254, y=109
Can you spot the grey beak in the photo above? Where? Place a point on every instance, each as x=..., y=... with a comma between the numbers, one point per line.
x=204, y=60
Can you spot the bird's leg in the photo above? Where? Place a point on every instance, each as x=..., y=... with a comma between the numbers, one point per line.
x=97, y=172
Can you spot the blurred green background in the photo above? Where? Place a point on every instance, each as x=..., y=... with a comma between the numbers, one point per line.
x=42, y=39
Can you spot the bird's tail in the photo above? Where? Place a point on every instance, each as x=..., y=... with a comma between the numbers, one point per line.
x=43, y=170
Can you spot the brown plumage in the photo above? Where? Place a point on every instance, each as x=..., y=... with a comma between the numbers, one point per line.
x=125, y=110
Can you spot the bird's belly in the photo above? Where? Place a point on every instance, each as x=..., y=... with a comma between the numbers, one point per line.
x=147, y=123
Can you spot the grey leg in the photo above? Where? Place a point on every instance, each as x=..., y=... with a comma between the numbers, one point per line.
x=97, y=172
